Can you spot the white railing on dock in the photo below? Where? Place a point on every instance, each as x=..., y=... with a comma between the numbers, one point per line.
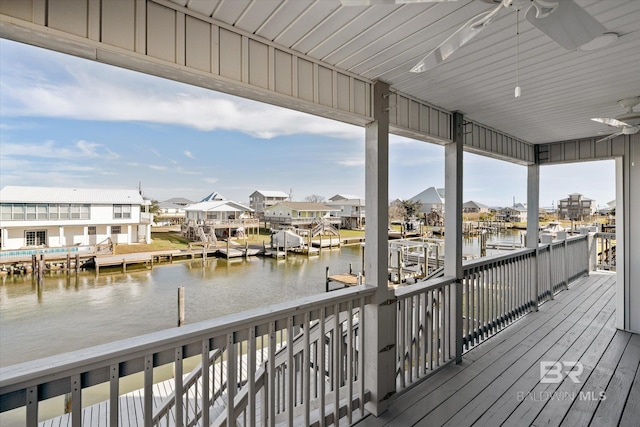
x=322, y=369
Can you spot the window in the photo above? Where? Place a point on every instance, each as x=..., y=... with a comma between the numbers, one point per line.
x=54, y=212
x=75, y=211
x=36, y=238
x=85, y=212
x=31, y=212
x=122, y=211
x=116, y=229
x=91, y=231
x=6, y=211
x=64, y=211
x=43, y=212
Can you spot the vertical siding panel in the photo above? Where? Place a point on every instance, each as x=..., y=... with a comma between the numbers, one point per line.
x=258, y=64
x=424, y=118
x=306, y=79
x=118, y=24
x=161, y=32
x=402, y=111
x=244, y=59
x=434, y=122
x=230, y=54
x=343, y=92
x=93, y=20
x=19, y=9
x=69, y=16
x=325, y=86
x=141, y=27
x=180, y=38
x=283, y=70
x=360, y=97
x=198, y=44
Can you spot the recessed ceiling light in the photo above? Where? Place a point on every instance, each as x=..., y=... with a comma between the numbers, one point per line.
x=600, y=42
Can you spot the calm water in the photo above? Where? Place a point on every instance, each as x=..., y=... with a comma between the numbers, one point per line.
x=80, y=311
x=73, y=313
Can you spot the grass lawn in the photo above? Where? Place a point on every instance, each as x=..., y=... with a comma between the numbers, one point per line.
x=162, y=241
x=166, y=240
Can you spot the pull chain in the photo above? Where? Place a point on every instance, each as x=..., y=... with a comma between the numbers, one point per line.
x=518, y=91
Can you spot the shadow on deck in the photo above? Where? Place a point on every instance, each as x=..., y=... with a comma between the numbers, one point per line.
x=499, y=382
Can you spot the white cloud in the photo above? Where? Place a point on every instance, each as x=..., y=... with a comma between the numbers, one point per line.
x=86, y=90
x=210, y=180
x=52, y=149
x=351, y=162
x=189, y=154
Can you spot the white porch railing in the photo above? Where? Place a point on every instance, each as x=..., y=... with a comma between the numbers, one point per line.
x=322, y=369
x=496, y=291
x=300, y=362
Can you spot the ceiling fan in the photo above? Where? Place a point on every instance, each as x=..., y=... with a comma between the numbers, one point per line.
x=627, y=123
x=564, y=21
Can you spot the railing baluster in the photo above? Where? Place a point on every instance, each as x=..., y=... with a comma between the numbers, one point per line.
x=32, y=406
x=205, y=382
x=349, y=373
x=231, y=379
x=76, y=401
x=114, y=388
x=251, y=376
x=148, y=390
x=272, y=373
x=337, y=343
x=361, y=334
x=291, y=370
x=179, y=407
x=322, y=320
x=306, y=369
x=402, y=334
x=422, y=301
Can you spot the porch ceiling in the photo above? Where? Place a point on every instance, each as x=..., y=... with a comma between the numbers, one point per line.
x=561, y=90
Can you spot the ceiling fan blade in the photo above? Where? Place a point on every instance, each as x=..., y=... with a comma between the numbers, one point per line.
x=610, y=122
x=456, y=40
x=568, y=24
x=609, y=137
x=372, y=2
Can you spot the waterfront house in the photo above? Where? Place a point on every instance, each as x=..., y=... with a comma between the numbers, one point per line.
x=432, y=199
x=412, y=355
x=55, y=217
x=474, y=207
x=350, y=210
x=300, y=214
x=512, y=214
x=576, y=207
x=259, y=200
x=172, y=211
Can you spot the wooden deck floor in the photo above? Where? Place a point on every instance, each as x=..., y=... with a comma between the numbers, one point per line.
x=498, y=383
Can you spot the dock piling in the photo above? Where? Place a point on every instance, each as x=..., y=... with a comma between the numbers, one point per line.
x=326, y=281
x=180, y=305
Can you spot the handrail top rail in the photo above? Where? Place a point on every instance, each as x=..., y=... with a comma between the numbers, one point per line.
x=428, y=285
x=492, y=259
x=26, y=374
x=603, y=234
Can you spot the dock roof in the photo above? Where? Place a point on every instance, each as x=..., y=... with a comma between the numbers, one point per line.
x=20, y=194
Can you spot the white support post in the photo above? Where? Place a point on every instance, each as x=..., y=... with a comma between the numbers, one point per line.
x=533, y=225
x=453, y=229
x=380, y=315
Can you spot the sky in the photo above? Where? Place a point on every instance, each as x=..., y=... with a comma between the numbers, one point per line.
x=70, y=122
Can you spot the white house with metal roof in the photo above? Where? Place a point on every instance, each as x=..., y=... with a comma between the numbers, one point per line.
x=350, y=210
x=432, y=199
x=259, y=200
x=61, y=217
x=300, y=213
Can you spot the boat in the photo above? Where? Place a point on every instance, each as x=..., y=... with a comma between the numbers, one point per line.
x=552, y=229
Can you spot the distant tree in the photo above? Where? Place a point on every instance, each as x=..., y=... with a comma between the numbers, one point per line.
x=396, y=211
x=411, y=208
x=314, y=198
x=154, y=208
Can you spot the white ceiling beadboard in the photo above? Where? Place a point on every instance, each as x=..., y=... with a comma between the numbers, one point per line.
x=561, y=90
